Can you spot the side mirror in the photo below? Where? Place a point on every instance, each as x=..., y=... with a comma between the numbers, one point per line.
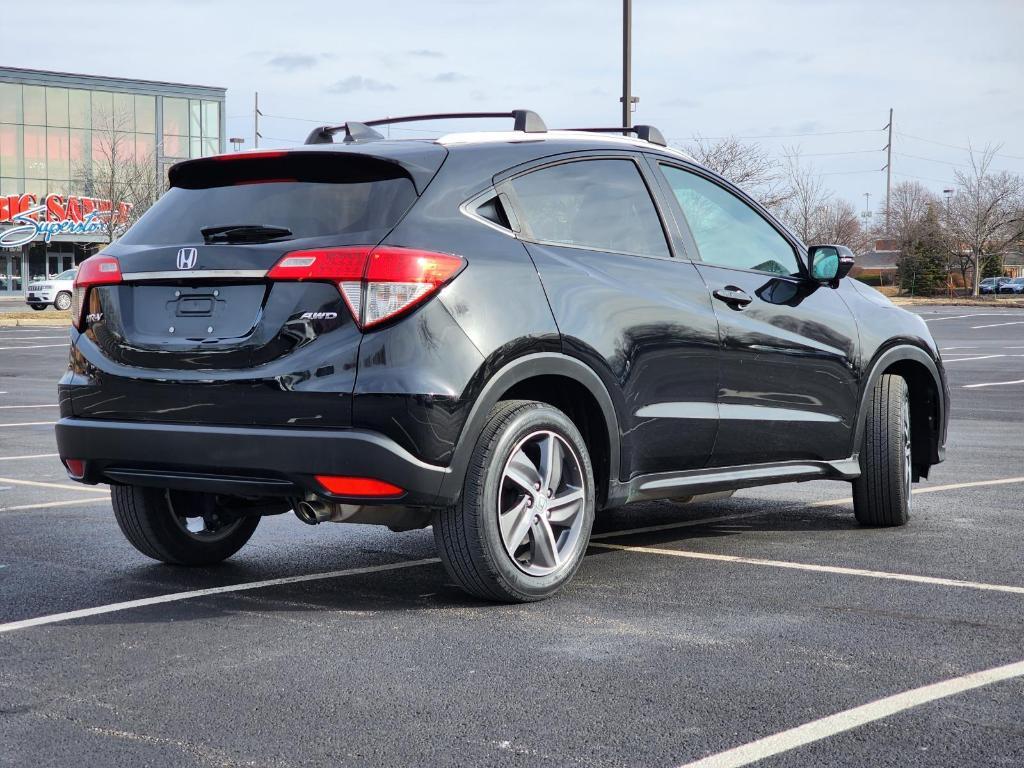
x=829, y=263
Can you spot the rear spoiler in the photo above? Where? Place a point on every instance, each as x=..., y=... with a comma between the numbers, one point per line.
x=418, y=160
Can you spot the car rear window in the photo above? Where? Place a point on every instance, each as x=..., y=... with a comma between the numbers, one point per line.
x=311, y=194
x=597, y=204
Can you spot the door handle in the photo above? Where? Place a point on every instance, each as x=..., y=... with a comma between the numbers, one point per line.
x=733, y=296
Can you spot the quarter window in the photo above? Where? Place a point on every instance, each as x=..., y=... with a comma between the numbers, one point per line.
x=600, y=204
x=729, y=232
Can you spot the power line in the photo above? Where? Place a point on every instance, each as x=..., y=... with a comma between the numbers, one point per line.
x=931, y=159
x=951, y=146
x=784, y=135
x=921, y=178
x=829, y=154
x=850, y=173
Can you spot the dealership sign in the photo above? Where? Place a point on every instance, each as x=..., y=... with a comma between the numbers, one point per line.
x=56, y=215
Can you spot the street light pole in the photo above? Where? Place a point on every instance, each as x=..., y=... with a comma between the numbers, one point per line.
x=627, y=55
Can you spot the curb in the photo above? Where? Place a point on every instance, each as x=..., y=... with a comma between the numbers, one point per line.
x=12, y=322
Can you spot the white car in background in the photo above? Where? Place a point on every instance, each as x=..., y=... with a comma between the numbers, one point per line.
x=55, y=290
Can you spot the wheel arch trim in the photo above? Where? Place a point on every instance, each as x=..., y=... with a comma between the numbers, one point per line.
x=882, y=362
x=511, y=374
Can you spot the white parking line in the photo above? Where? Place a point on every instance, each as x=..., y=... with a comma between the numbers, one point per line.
x=47, y=504
x=993, y=384
x=683, y=524
x=910, y=577
x=856, y=717
x=44, y=405
x=29, y=424
x=30, y=456
x=968, y=359
x=63, y=486
x=974, y=314
x=178, y=596
x=996, y=325
x=926, y=489
x=5, y=337
x=37, y=346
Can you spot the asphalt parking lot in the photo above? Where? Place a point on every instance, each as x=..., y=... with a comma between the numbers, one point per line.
x=767, y=627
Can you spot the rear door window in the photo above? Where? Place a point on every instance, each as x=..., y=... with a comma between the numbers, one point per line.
x=308, y=194
x=601, y=204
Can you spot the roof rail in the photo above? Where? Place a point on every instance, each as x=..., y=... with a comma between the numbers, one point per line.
x=526, y=120
x=643, y=132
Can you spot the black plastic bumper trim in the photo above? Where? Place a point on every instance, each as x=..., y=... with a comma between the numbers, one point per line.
x=247, y=460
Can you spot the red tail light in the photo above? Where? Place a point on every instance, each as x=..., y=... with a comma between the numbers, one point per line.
x=75, y=467
x=376, y=283
x=358, y=486
x=96, y=270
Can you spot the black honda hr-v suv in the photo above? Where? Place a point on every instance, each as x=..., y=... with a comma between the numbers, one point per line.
x=498, y=334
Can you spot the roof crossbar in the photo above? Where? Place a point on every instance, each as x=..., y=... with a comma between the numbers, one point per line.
x=526, y=120
x=643, y=132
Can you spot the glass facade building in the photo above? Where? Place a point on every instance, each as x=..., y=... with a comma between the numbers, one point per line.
x=56, y=127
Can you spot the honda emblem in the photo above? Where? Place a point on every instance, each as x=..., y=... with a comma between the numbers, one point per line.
x=187, y=258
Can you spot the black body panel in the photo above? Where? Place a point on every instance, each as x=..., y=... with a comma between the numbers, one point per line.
x=789, y=382
x=681, y=392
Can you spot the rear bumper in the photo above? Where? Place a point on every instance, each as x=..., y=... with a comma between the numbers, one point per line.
x=254, y=461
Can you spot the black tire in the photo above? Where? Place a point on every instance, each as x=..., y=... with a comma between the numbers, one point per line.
x=38, y=307
x=147, y=518
x=469, y=535
x=882, y=493
x=62, y=301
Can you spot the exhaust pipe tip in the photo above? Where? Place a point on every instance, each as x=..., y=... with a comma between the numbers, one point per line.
x=306, y=511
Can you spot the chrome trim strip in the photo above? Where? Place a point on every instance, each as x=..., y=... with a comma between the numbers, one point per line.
x=697, y=410
x=193, y=274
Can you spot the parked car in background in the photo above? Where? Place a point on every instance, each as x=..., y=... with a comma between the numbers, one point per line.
x=56, y=291
x=1016, y=285
x=993, y=284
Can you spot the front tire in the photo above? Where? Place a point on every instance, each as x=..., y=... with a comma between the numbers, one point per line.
x=882, y=493
x=38, y=307
x=521, y=527
x=62, y=301
x=179, y=527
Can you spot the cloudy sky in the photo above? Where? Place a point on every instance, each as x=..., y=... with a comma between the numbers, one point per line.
x=819, y=75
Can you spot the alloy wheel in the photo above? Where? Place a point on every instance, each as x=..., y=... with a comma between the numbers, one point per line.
x=541, y=504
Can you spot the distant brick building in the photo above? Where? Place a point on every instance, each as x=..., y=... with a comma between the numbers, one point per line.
x=878, y=264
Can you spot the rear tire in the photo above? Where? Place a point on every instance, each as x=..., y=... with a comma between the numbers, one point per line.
x=63, y=301
x=163, y=525
x=522, y=525
x=882, y=493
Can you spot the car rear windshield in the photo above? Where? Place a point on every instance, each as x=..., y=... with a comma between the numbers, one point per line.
x=309, y=194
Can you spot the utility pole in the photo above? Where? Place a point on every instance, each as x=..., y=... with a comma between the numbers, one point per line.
x=627, y=55
x=256, y=121
x=888, y=174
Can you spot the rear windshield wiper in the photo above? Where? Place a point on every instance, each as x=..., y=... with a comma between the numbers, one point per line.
x=244, y=233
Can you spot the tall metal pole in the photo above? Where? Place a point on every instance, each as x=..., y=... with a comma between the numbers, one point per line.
x=627, y=56
x=256, y=121
x=888, y=176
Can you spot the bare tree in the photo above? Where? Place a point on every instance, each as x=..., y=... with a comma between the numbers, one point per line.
x=747, y=165
x=117, y=174
x=983, y=218
x=813, y=212
x=839, y=223
x=807, y=201
x=909, y=207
